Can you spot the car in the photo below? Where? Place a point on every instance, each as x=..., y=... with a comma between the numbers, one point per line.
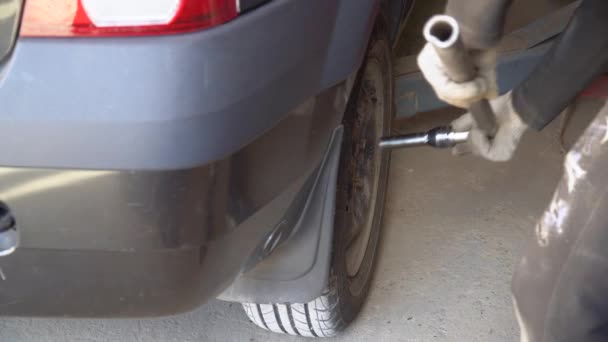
x=158, y=154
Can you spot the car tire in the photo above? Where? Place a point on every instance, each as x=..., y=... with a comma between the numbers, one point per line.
x=371, y=103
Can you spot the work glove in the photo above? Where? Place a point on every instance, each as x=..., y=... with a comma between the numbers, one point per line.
x=510, y=128
x=460, y=94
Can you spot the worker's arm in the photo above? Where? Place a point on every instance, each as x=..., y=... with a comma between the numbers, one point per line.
x=579, y=56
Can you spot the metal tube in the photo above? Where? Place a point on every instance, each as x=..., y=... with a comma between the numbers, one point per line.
x=408, y=140
x=459, y=137
x=440, y=137
x=443, y=32
x=447, y=138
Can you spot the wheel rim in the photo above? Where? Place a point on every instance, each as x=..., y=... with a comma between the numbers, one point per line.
x=364, y=168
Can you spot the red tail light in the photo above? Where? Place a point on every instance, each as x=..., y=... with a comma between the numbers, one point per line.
x=68, y=18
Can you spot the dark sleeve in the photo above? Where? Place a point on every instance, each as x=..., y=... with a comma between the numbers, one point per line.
x=481, y=21
x=579, y=56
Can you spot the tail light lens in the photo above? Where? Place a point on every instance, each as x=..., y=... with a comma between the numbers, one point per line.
x=69, y=18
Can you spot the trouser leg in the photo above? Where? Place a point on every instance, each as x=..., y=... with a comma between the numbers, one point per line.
x=560, y=287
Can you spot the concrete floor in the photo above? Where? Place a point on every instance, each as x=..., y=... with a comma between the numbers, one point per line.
x=454, y=228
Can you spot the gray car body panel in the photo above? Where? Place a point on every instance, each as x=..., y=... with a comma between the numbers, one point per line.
x=178, y=101
x=108, y=243
x=152, y=171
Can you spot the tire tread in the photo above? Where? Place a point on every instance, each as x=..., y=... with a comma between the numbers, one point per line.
x=317, y=318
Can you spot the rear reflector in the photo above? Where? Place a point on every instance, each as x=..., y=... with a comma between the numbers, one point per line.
x=73, y=18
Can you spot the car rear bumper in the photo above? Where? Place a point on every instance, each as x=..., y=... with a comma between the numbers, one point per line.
x=177, y=101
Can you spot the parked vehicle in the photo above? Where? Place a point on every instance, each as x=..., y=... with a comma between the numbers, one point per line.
x=157, y=154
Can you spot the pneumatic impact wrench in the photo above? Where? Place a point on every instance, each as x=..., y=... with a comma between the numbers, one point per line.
x=443, y=33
